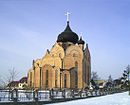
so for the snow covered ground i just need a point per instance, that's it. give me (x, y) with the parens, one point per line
(113, 99)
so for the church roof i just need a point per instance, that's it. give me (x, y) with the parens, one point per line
(68, 35)
(22, 80)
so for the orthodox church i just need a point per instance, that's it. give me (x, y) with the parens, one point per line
(67, 65)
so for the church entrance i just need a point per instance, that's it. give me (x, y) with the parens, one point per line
(73, 78)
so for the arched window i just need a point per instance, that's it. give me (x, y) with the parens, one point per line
(65, 80)
(88, 79)
(56, 78)
(74, 55)
(47, 78)
(76, 64)
(85, 73)
(76, 79)
(76, 75)
(60, 55)
(31, 79)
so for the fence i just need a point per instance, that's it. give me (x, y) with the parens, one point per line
(50, 96)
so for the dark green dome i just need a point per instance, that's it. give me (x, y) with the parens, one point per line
(81, 41)
(68, 35)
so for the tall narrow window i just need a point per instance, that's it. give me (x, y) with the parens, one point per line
(85, 73)
(62, 64)
(65, 80)
(56, 78)
(76, 80)
(30, 79)
(76, 64)
(60, 55)
(47, 77)
(76, 74)
(74, 55)
(88, 75)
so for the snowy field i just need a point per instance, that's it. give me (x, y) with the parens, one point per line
(115, 99)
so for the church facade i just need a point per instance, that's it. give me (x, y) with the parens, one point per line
(66, 65)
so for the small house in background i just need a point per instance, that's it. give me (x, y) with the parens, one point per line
(13, 84)
(101, 83)
(21, 84)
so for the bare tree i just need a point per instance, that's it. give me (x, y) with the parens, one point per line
(2, 83)
(94, 76)
(12, 75)
(110, 79)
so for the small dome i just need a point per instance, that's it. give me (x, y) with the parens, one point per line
(81, 41)
(68, 35)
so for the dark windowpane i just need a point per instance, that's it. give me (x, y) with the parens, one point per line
(56, 77)
(47, 78)
(65, 77)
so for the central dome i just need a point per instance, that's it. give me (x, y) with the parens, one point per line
(68, 35)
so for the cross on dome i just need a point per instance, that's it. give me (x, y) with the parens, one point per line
(67, 16)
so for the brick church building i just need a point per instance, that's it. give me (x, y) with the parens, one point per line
(66, 65)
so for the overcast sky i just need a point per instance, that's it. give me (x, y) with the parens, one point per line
(29, 27)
